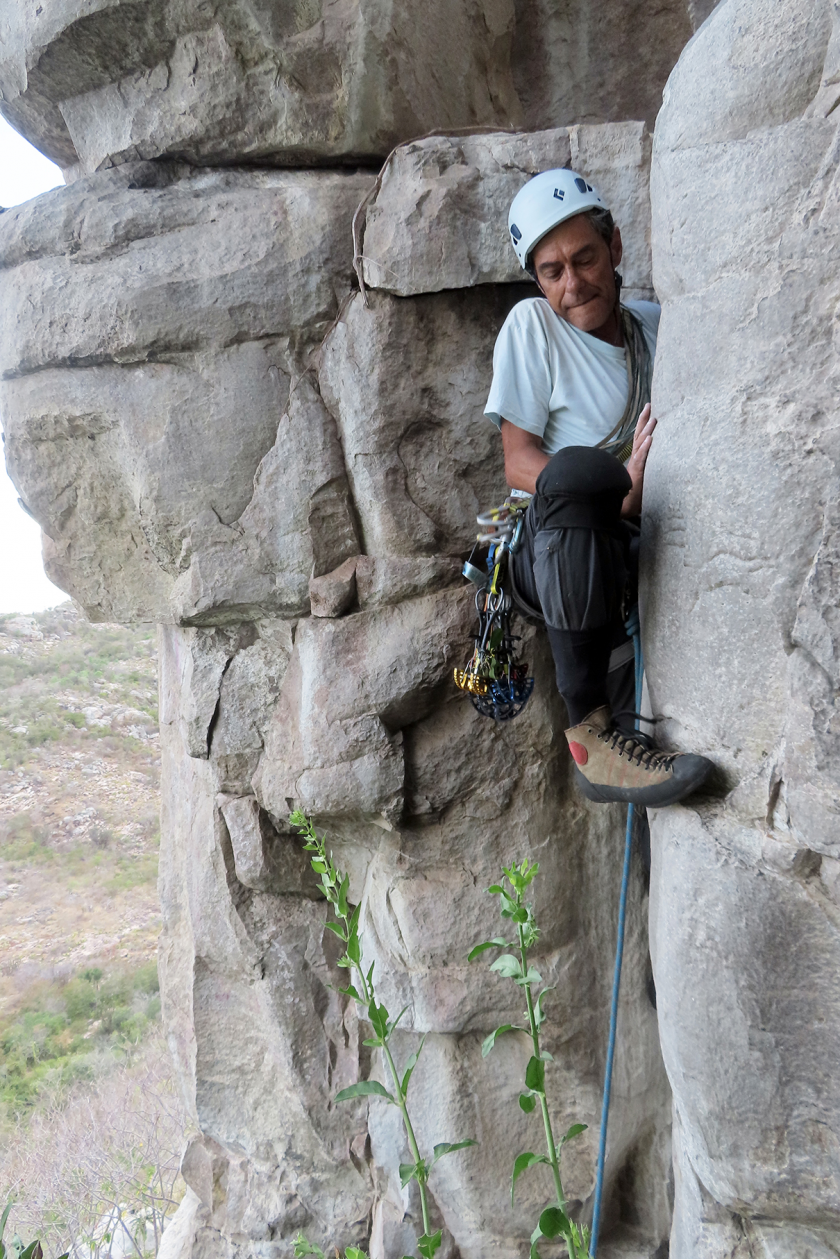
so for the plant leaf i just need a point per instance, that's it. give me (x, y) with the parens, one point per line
(337, 929)
(488, 944)
(527, 1102)
(408, 1171)
(507, 965)
(392, 1025)
(546, 1056)
(3, 1219)
(304, 1247)
(429, 1244)
(489, 1041)
(411, 1064)
(533, 976)
(32, 1251)
(378, 1017)
(521, 1164)
(535, 1075)
(353, 1252)
(539, 1012)
(365, 1088)
(496, 890)
(575, 1131)
(354, 948)
(553, 1222)
(350, 991)
(343, 907)
(448, 1147)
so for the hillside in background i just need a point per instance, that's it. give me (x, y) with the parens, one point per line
(80, 1043)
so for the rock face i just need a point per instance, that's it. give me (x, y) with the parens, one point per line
(219, 433)
(242, 417)
(95, 83)
(463, 182)
(741, 627)
(182, 309)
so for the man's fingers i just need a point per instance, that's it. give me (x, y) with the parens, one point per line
(644, 427)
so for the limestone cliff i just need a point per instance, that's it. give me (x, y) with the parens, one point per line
(243, 371)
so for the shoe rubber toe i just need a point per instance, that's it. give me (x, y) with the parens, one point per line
(690, 772)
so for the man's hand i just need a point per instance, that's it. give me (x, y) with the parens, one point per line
(524, 457)
(642, 438)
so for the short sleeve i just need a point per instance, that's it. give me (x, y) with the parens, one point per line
(521, 388)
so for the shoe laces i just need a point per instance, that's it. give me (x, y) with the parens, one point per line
(638, 749)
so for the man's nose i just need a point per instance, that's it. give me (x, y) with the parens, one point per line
(574, 280)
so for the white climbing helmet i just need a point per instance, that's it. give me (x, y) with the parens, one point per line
(545, 201)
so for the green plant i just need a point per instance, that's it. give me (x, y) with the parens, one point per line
(553, 1221)
(16, 1249)
(303, 1247)
(335, 886)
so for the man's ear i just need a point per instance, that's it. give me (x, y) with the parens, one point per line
(616, 247)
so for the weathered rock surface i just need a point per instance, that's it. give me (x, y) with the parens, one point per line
(438, 219)
(246, 959)
(167, 374)
(98, 83)
(105, 82)
(406, 382)
(741, 626)
(219, 433)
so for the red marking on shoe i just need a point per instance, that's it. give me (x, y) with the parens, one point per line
(579, 752)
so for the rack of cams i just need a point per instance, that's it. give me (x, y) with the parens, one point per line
(497, 683)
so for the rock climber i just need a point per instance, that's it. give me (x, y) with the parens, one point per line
(571, 395)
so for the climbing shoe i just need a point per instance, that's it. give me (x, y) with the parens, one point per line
(612, 765)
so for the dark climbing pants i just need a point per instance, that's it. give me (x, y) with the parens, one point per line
(573, 568)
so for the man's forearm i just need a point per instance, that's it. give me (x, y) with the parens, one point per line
(524, 458)
(524, 468)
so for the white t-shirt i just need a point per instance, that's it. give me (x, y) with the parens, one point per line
(564, 385)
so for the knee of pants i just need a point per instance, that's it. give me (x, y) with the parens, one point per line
(584, 471)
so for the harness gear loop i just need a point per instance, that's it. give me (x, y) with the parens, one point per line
(498, 684)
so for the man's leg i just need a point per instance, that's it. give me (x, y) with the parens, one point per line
(578, 551)
(574, 567)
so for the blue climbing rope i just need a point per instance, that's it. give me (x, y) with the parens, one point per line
(633, 628)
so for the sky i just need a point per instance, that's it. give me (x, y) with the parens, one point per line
(24, 587)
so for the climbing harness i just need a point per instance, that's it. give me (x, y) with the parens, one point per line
(633, 629)
(496, 682)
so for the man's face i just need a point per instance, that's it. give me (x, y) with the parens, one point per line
(575, 268)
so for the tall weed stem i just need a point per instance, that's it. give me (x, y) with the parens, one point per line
(553, 1221)
(335, 886)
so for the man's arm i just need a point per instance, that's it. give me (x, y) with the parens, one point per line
(524, 457)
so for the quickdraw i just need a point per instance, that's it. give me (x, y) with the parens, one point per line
(497, 683)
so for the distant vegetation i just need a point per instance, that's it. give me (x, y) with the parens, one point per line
(72, 661)
(63, 1032)
(90, 1121)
